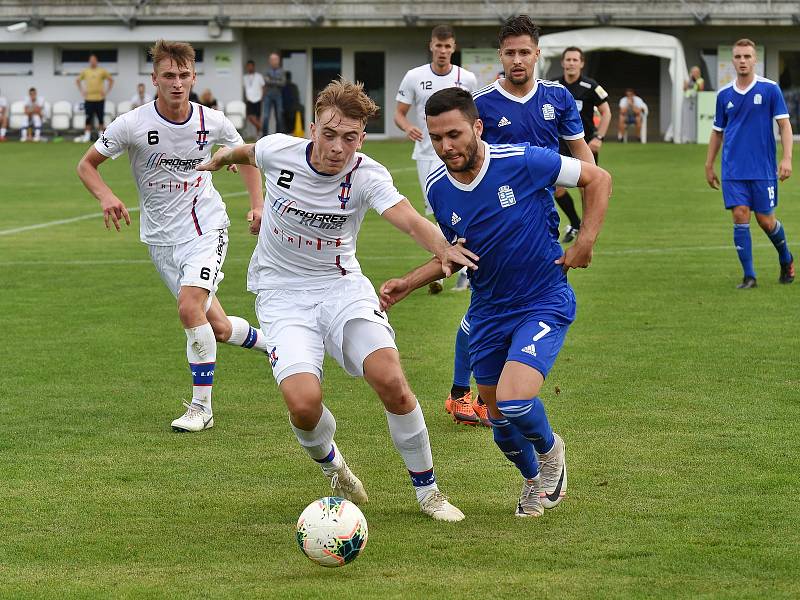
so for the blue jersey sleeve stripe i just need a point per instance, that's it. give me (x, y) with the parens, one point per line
(577, 136)
(431, 182)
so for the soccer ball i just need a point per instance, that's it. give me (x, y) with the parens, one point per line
(332, 531)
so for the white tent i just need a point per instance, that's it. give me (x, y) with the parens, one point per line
(630, 40)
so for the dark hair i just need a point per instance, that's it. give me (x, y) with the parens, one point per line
(251, 62)
(33, 89)
(519, 25)
(443, 32)
(572, 49)
(452, 98)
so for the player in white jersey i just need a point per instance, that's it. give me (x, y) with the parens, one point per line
(34, 116)
(312, 297)
(417, 86)
(183, 218)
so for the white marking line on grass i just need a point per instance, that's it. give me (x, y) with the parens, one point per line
(75, 219)
(377, 258)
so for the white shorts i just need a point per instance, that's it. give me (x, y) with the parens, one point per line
(196, 263)
(301, 325)
(424, 168)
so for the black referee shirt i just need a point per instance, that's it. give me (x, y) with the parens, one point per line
(588, 94)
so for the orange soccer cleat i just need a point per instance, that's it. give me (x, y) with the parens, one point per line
(462, 410)
(480, 409)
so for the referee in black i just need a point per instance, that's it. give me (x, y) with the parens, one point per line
(588, 94)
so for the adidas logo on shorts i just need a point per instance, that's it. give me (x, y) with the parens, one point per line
(531, 349)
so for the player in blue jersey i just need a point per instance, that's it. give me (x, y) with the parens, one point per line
(517, 108)
(746, 108)
(496, 200)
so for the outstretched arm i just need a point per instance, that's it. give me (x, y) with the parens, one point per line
(113, 208)
(394, 290)
(240, 155)
(403, 216)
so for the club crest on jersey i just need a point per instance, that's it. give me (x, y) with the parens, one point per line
(506, 196)
(548, 112)
(344, 193)
(202, 138)
(757, 99)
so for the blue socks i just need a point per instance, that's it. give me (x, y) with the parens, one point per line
(778, 238)
(529, 418)
(516, 448)
(744, 247)
(461, 372)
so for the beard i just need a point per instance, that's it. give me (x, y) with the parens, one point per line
(519, 79)
(471, 156)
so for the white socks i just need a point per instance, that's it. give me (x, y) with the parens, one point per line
(318, 443)
(201, 351)
(410, 437)
(242, 334)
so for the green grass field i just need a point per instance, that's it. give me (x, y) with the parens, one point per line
(676, 393)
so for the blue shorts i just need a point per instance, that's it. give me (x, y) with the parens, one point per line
(760, 195)
(531, 335)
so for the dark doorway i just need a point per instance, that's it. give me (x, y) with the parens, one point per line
(616, 70)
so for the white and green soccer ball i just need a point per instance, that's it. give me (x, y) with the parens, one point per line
(332, 531)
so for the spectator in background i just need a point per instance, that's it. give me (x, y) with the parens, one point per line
(291, 103)
(273, 93)
(207, 99)
(695, 83)
(253, 94)
(34, 115)
(94, 95)
(691, 86)
(3, 118)
(141, 97)
(631, 109)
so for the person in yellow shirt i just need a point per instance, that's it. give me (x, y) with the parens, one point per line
(91, 83)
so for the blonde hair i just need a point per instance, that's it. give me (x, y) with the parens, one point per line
(347, 98)
(745, 42)
(181, 53)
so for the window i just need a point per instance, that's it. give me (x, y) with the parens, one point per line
(71, 61)
(370, 69)
(16, 62)
(146, 61)
(326, 65)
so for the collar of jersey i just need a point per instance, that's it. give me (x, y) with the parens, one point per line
(310, 166)
(430, 66)
(511, 96)
(468, 187)
(163, 118)
(747, 89)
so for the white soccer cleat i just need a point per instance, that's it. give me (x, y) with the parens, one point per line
(553, 471)
(346, 485)
(530, 502)
(436, 506)
(194, 419)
